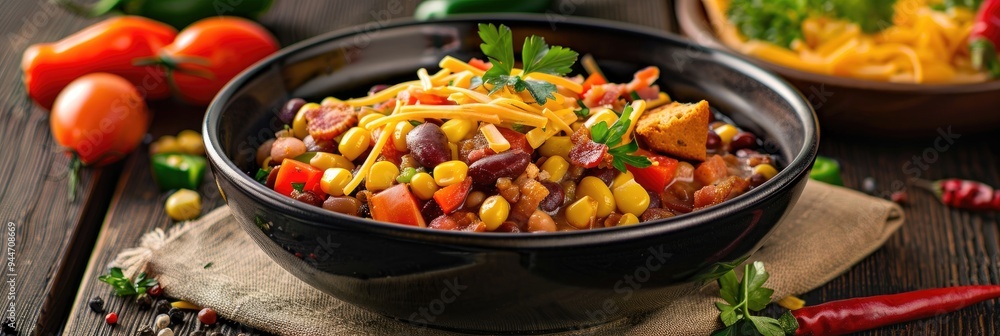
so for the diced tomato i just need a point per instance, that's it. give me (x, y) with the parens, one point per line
(593, 79)
(656, 177)
(396, 205)
(391, 154)
(292, 171)
(478, 63)
(452, 197)
(711, 170)
(426, 99)
(516, 140)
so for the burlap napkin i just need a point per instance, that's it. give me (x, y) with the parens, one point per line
(828, 231)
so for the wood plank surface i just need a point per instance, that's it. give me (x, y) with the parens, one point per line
(936, 247)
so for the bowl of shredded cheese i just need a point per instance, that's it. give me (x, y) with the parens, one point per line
(888, 69)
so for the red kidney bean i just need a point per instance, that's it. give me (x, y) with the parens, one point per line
(443, 223)
(655, 213)
(508, 164)
(605, 174)
(654, 199)
(344, 204)
(508, 227)
(714, 141)
(286, 148)
(308, 197)
(272, 176)
(756, 180)
(288, 111)
(429, 145)
(431, 210)
(554, 200)
(319, 146)
(743, 140)
(376, 88)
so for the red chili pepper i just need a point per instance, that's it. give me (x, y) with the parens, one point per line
(963, 194)
(859, 314)
(985, 37)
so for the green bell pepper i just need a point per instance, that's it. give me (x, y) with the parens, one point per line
(177, 13)
(436, 9)
(178, 171)
(826, 170)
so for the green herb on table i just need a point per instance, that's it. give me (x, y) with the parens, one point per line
(742, 299)
(537, 56)
(124, 286)
(208, 265)
(611, 136)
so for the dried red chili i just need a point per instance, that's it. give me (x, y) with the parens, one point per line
(963, 194)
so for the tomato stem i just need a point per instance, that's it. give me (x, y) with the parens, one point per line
(100, 8)
(74, 175)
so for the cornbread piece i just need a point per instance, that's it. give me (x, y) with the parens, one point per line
(676, 129)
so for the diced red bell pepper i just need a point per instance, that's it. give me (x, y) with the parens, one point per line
(452, 197)
(593, 79)
(391, 154)
(516, 139)
(427, 99)
(292, 171)
(657, 176)
(480, 64)
(711, 170)
(396, 205)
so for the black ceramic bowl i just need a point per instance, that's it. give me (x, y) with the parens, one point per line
(486, 282)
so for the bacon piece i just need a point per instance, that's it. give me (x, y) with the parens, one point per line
(327, 122)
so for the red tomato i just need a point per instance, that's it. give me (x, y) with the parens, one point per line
(292, 171)
(210, 52)
(396, 205)
(101, 117)
(593, 79)
(452, 197)
(656, 177)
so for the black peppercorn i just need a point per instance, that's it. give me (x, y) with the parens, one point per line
(176, 315)
(216, 333)
(96, 304)
(162, 306)
(9, 326)
(197, 333)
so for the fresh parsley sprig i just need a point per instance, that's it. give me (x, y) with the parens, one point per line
(612, 136)
(537, 56)
(742, 298)
(124, 286)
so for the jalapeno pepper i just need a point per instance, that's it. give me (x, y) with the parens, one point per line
(177, 13)
(985, 37)
(178, 171)
(826, 170)
(436, 9)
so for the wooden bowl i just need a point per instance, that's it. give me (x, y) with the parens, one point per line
(871, 108)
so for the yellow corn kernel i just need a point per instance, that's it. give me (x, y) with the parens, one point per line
(423, 185)
(621, 178)
(369, 118)
(631, 198)
(765, 169)
(166, 144)
(324, 161)
(299, 122)
(381, 176)
(628, 219)
(493, 137)
(183, 205)
(457, 129)
(190, 142)
(399, 135)
(454, 150)
(355, 142)
(494, 211)
(451, 172)
(581, 214)
(596, 189)
(605, 115)
(556, 166)
(556, 146)
(726, 132)
(334, 180)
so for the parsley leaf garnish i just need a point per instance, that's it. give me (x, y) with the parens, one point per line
(123, 286)
(537, 56)
(744, 297)
(262, 175)
(298, 186)
(612, 135)
(584, 111)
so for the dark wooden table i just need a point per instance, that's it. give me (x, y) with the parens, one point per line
(61, 246)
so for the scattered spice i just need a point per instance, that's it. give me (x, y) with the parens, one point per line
(162, 306)
(197, 333)
(963, 194)
(156, 290)
(162, 321)
(184, 305)
(145, 331)
(208, 265)
(900, 197)
(96, 304)
(176, 315)
(165, 332)
(111, 318)
(144, 301)
(869, 186)
(8, 326)
(791, 303)
(207, 316)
